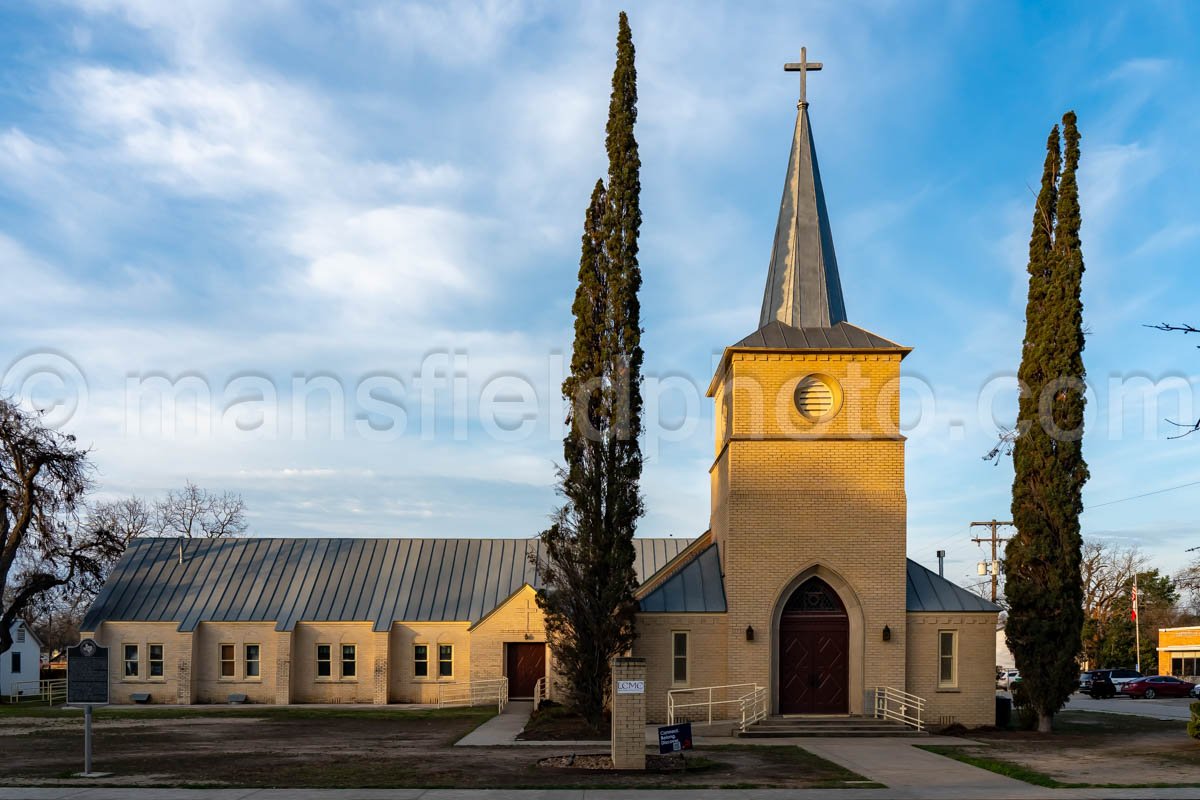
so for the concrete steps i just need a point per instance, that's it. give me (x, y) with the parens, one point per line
(839, 726)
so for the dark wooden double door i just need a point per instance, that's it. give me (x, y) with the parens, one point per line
(814, 652)
(525, 663)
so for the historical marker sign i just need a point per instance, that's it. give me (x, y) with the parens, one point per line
(87, 674)
(674, 738)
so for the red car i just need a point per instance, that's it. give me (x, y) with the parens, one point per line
(1157, 686)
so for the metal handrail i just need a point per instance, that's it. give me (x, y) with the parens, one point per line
(474, 693)
(754, 707)
(899, 706)
(744, 690)
(47, 689)
(541, 692)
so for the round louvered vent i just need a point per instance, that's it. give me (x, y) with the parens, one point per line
(818, 397)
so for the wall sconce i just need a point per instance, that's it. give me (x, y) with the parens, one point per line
(749, 633)
(887, 633)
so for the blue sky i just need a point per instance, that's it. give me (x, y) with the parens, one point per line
(231, 195)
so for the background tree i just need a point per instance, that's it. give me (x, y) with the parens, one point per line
(588, 567)
(1106, 572)
(1042, 560)
(1157, 597)
(44, 477)
(1186, 428)
(190, 512)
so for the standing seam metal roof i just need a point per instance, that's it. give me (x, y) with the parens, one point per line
(289, 580)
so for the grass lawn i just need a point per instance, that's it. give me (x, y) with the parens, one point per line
(1087, 749)
(17, 711)
(301, 747)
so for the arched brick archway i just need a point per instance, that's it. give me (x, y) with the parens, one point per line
(814, 651)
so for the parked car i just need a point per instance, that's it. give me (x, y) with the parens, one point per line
(1004, 679)
(1117, 676)
(1120, 677)
(1157, 686)
(1101, 686)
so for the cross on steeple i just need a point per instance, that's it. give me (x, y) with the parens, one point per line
(804, 67)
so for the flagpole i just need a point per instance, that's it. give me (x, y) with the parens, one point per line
(1137, 625)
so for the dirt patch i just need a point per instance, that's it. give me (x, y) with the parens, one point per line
(1094, 748)
(555, 723)
(605, 762)
(347, 749)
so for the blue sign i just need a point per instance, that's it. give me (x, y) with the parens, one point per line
(674, 738)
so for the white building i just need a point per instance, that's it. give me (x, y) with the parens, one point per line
(21, 664)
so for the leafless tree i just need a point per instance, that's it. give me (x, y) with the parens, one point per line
(1106, 569)
(193, 513)
(129, 517)
(1185, 427)
(44, 544)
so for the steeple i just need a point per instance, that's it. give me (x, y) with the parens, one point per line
(803, 288)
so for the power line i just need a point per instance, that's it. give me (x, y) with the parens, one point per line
(1139, 496)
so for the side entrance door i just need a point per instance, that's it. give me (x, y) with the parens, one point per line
(525, 663)
(814, 645)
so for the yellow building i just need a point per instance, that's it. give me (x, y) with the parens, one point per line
(800, 589)
(1179, 652)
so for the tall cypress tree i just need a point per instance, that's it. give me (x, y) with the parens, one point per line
(1042, 562)
(588, 561)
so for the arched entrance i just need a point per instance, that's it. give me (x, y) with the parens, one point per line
(814, 651)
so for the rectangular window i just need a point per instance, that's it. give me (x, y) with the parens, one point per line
(679, 656)
(154, 658)
(947, 659)
(16, 662)
(349, 666)
(421, 660)
(131, 660)
(324, 661)
(445, 661)
(228, 661)
(252, 661)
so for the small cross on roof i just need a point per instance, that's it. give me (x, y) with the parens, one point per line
(803, 67)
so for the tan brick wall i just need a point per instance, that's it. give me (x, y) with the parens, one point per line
(628, 716)
(1178, 637)
(792, 497)
(516, 620)
(210, 687)
(707, 663)
(175, 686)
(972, 701)
(308, 688)
(405, 687)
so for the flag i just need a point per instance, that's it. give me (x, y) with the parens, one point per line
(1133, 597)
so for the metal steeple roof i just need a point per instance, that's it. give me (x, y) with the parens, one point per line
(803, 288)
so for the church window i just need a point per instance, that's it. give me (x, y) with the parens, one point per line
(947, 659)
(445, 661)
(679, 656)
(228, 661)
(324, 661)
(16, 662)
(818, 397)
(154, 659)
(132, 662)
(349, 661)
(253, 661)
(421, 660)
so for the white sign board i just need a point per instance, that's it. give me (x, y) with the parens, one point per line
(631, 687)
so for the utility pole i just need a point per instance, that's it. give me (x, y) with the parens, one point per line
(995, 539)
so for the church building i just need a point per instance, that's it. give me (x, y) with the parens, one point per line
(800, 588)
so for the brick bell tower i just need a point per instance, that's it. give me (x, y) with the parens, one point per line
(808, 502)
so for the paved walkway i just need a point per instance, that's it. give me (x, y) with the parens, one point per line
(932, 793)
(501, 729)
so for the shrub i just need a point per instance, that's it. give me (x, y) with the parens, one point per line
(1194, 723)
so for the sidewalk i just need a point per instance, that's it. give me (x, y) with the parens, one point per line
(932, 793)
